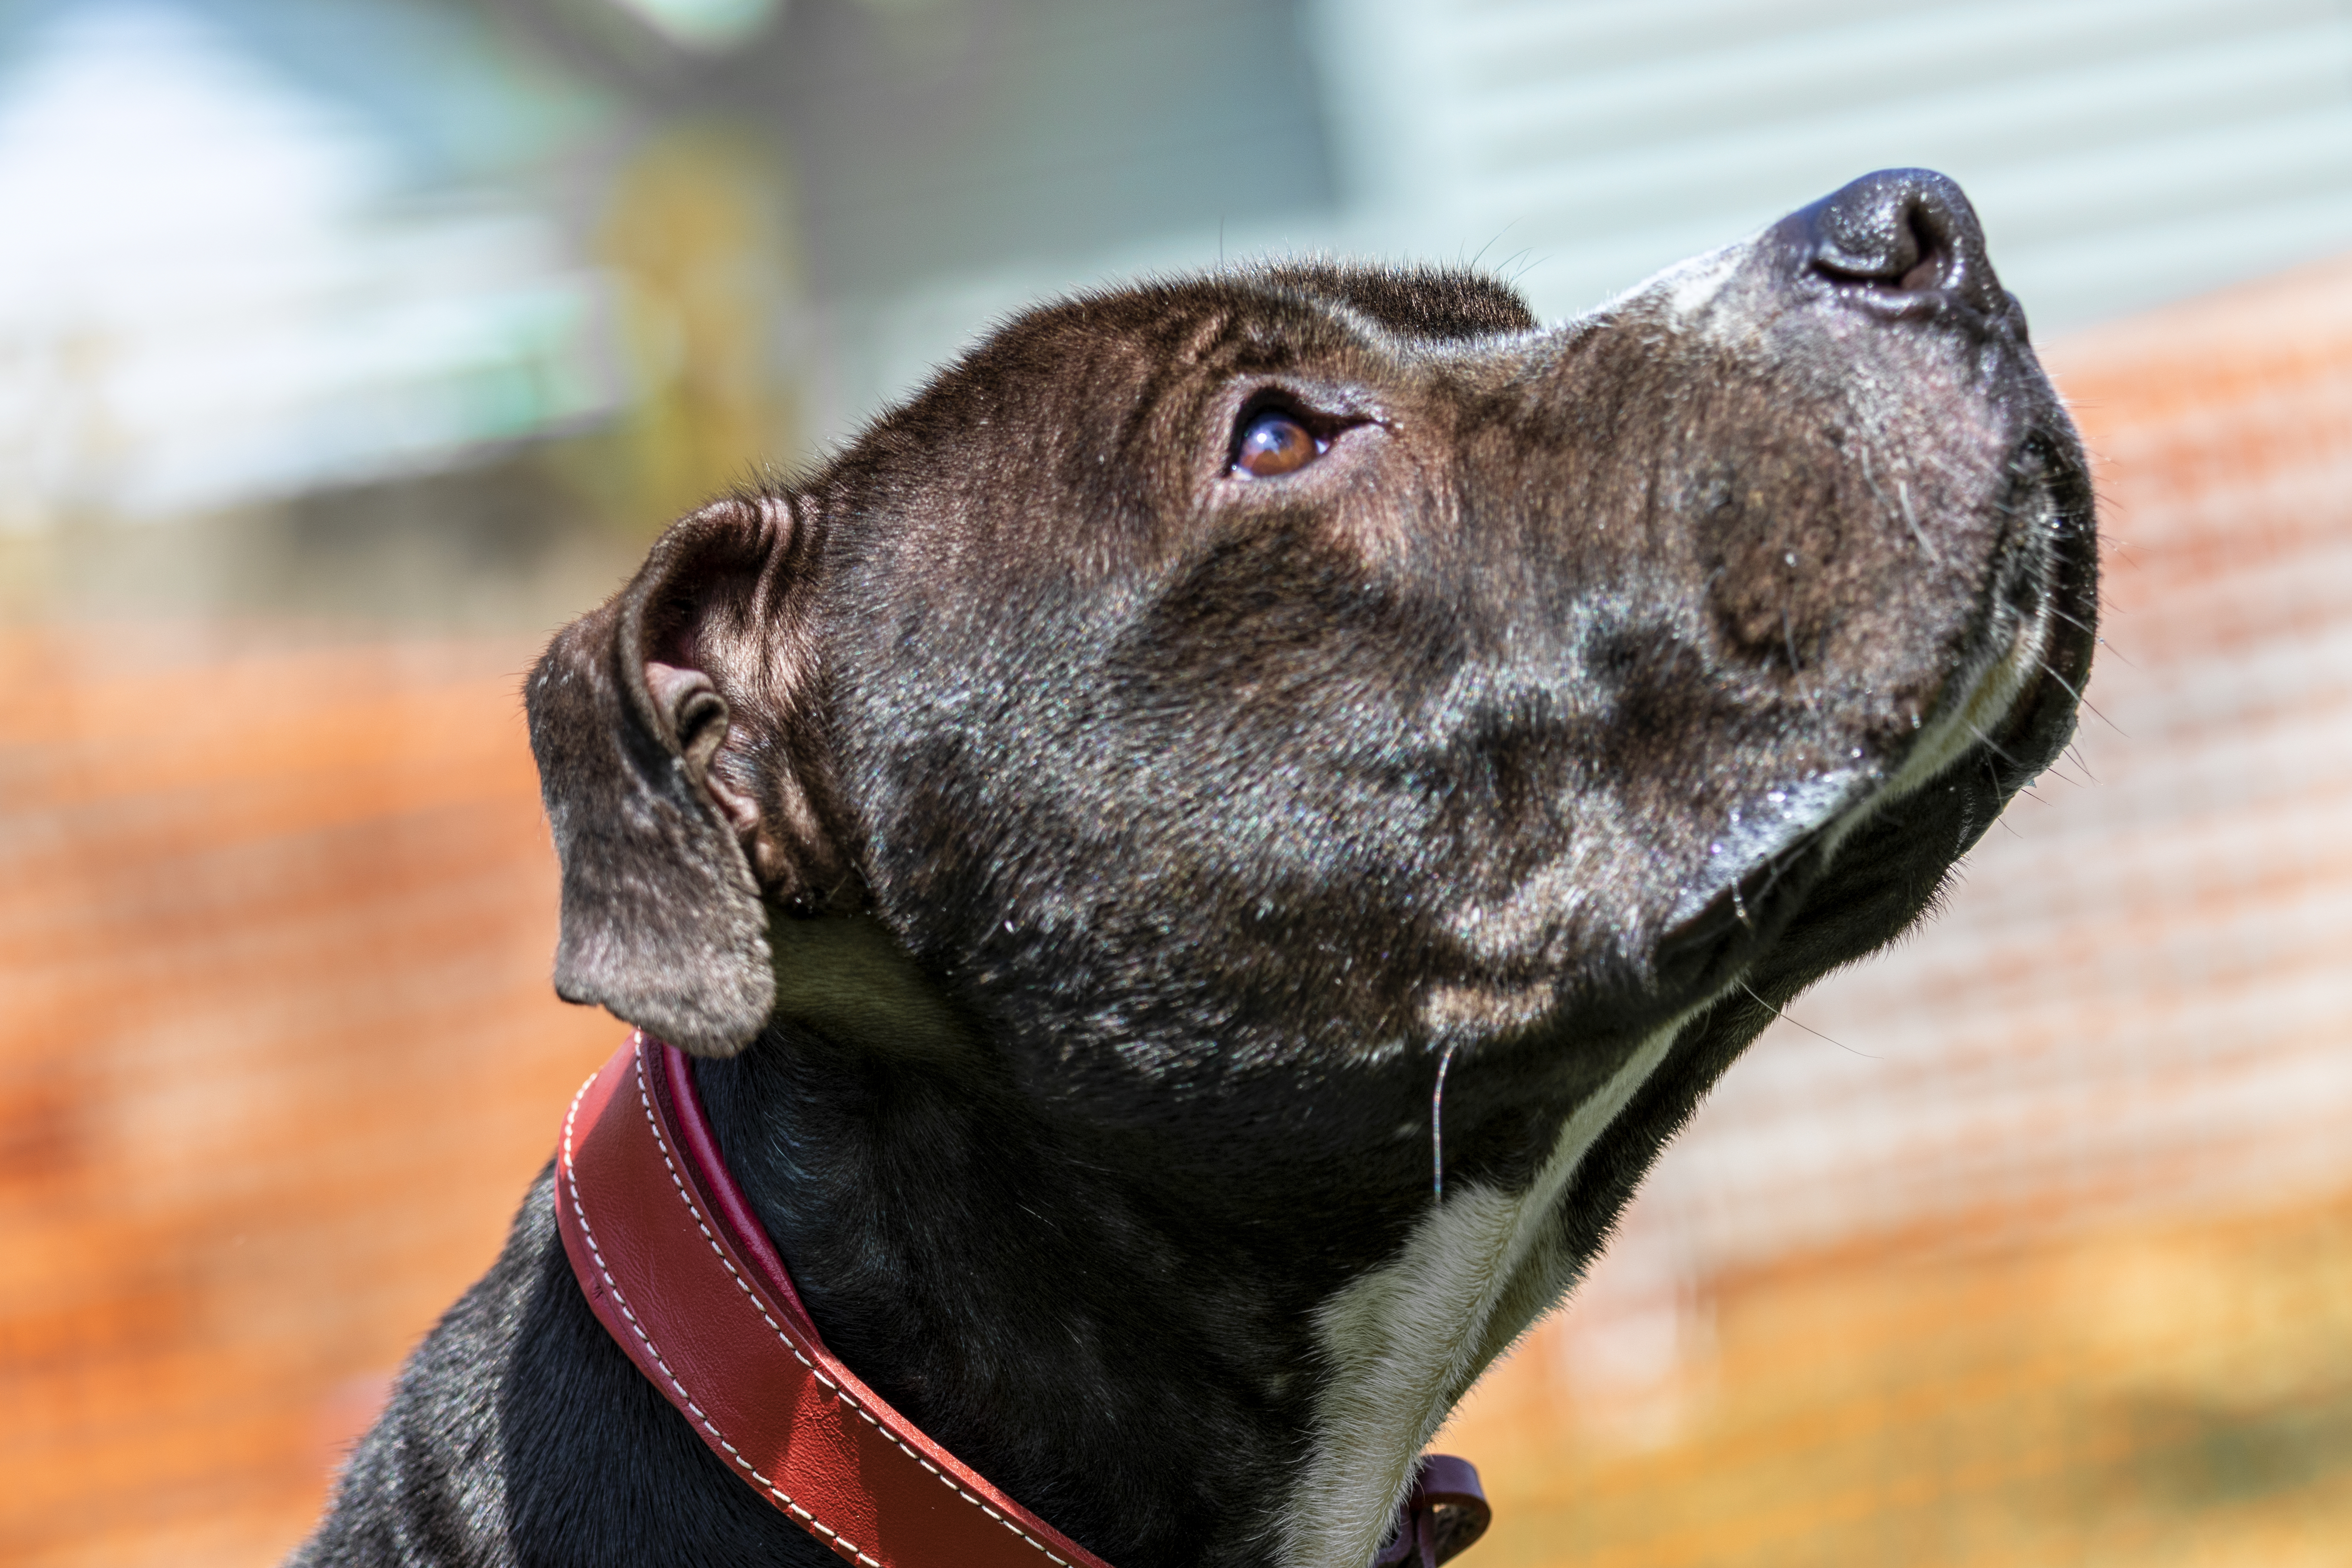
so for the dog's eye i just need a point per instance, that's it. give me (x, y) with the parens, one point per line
(1273, 443)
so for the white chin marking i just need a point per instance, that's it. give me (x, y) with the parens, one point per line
(1406, 1341)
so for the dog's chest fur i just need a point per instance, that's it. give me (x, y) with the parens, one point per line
(1405, 1342)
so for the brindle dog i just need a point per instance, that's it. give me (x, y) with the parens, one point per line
(1078, 826)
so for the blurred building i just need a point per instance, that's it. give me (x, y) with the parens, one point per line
(261, 248)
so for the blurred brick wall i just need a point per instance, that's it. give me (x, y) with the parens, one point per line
(280, 1055)
(2059, 1270)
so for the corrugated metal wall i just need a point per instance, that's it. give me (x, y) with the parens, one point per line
(2122, 155)
(2123, 152)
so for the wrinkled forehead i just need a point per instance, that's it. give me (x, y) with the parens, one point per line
(1089, 420)
(1420, 304)
(1322, 317)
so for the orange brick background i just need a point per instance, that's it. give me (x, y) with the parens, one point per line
(2048, 1259)
(280, 1057)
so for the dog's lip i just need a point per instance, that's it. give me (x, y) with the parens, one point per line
(1762, 845)
(1807, 822)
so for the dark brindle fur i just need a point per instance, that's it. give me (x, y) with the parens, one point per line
(1131, 838)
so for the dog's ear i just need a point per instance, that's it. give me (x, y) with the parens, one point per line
(681, 761)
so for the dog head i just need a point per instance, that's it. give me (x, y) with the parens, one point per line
(1211, 704)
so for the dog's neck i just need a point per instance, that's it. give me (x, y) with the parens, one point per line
(1119, 1367)
(1164, 1382)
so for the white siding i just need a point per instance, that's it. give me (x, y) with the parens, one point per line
(2121, 153)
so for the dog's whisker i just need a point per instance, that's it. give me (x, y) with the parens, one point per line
(2075, 621)
(1437, 1124)
(2064, 777)
(1782, 1014)
(2075, 692)
(1900, 505)
(1777, 864)
(1989, 744)
(2082, 626)
(2070, 756)
(1871, 479)
(1903, 495)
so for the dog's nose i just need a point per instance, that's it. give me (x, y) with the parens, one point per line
(1904, 239)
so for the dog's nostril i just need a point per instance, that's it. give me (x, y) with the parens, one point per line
(1896, 244)
(1906, 232)
(1929, 271)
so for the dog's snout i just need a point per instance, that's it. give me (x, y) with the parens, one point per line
(1900, 237)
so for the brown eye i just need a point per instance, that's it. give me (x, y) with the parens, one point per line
(1273, 443)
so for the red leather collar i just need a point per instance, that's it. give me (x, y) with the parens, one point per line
(680, 1272)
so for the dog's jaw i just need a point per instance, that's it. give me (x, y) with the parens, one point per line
(1986, 692)
(1405, 1342)
(1980, 697)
